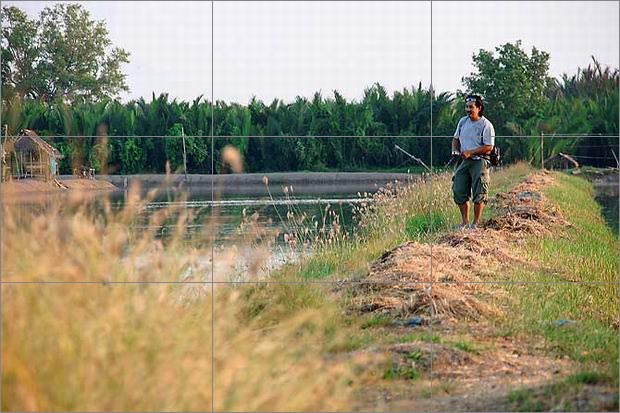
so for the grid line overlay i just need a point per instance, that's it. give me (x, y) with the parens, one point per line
(430, 217)
(618, 269)
(212, 217)
(338, 283)
(213, 283)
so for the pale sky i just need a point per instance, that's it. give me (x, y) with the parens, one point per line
(284, 49)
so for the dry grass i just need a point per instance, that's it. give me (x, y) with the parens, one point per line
(148, 347)
(399, 281)
(523, 210)
(395, 284)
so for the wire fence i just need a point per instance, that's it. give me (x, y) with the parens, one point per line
(546, 136)
(593, 149)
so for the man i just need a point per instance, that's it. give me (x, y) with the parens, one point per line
(473, 139)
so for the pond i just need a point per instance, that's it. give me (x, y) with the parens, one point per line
(225, 217)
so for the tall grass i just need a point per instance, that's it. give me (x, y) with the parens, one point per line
(144, 346)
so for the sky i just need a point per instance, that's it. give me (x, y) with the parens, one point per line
(286, 49)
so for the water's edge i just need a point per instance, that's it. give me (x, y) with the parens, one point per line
(253, 179)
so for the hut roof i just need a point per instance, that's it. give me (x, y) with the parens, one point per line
(30, 135)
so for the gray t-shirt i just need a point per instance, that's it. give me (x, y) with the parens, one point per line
(473, 135)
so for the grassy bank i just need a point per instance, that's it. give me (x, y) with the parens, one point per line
(576, 320)
(584, 253)
(573, 320)
(396, 215)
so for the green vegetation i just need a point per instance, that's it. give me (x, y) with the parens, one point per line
(317, 270)
(415, 355)
(512, 68)
(401, 372)
(575, 319)
(524, 401)
(376, 320)
(588, 377)
(557, 396)
(420, 224)
(466, 346)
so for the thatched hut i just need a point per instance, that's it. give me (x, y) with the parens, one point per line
(561, 161)
(29, 156)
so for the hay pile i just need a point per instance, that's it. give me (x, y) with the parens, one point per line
(399, 282)
(524, 210)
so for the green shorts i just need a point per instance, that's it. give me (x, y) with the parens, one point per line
(471, 181)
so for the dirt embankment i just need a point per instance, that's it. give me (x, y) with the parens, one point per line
(257, 179)
(462, 261)
(33, 186)
(464, 298)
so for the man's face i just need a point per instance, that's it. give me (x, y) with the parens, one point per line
(471, 109)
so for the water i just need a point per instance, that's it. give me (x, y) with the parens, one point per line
(245, 226)
(254, 225)
(278, 210)
(607, 195)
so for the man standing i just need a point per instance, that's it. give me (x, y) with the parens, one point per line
(474, 138)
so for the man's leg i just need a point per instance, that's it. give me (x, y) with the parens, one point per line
(478, 208)
(480, 188)
(461, 189)
(464, 213)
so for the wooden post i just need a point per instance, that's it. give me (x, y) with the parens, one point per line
(616, 158)
(542, 150)
(2, 158)
(184, 153)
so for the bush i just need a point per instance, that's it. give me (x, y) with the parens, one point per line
(421, 224)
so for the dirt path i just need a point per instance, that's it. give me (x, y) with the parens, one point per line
(471, 380)
(474, 366)
(28, 186)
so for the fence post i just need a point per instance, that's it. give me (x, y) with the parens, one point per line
(2, 137)
(542, 151)
(184, 153)
(616, 158)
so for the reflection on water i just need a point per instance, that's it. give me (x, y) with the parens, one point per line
(256, 202)
(275, 210)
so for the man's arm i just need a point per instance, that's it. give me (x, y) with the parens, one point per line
(456, 145)
(483, 150)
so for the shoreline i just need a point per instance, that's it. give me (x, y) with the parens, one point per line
(29, 187)
(254, 179)
(34, 185)
(251, 184)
